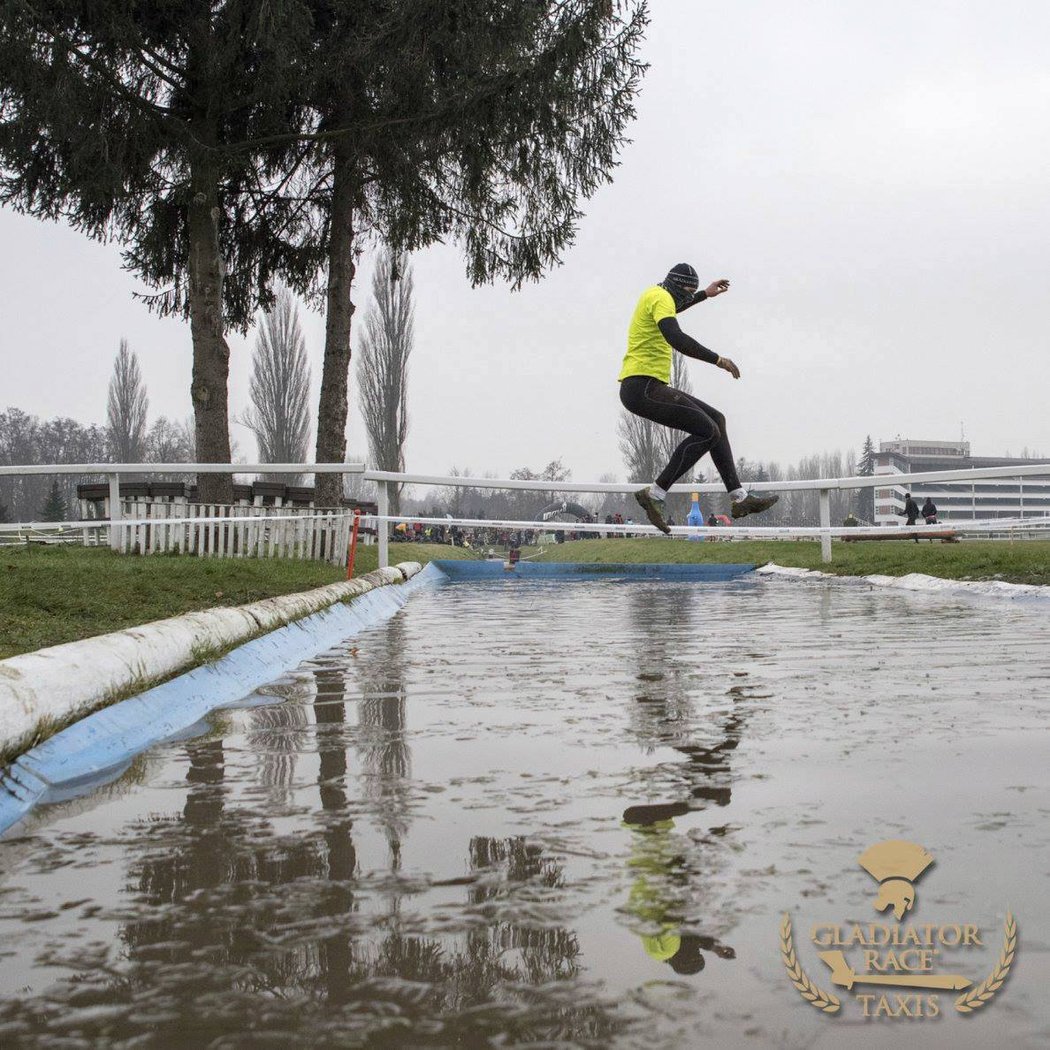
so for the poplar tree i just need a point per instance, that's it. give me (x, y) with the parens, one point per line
(279, 415)
(382, 366)
(126, 408)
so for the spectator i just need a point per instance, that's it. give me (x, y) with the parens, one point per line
(929, 511)
(911, 511)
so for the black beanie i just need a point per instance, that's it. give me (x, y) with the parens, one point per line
(682, 279)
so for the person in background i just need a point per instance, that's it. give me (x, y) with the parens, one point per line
(911, 511)
(929, 511)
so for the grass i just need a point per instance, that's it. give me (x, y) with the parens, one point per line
(50, 595)
(1023, 561)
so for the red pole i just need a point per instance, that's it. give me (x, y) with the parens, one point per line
(353, 546)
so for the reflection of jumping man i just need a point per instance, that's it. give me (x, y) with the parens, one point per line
(658, 900)
(644, 391)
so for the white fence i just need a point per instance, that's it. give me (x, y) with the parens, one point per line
(119, 528)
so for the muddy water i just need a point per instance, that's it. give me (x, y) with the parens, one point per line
(572, 815)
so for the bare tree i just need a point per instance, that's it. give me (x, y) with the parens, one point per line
(382, 365)
(280, 388)
(170, 441)
(646, 446)
(601, 504)
(126, 408)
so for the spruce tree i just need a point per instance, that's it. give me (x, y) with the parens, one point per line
(228, 143)
(866, 469)
(460, 121)
(54, 508)
(149, 124)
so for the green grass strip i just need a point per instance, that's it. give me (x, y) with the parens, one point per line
(1020, 561)
(50, 594)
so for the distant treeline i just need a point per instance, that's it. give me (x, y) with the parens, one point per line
(26, 440)
(794, 508)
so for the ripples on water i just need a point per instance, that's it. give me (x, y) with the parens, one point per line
(547, 814)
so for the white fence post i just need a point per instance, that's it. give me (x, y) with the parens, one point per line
(383, 527)
(116, 533)
(825, 523)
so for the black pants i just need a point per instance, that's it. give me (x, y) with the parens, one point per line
(704, 425)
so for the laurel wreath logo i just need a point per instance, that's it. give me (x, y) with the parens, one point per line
(984, 992)
(807, 989)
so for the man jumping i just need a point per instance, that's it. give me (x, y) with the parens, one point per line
(644, 391)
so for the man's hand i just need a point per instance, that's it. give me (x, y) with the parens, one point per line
(724, 362)
(717, 287)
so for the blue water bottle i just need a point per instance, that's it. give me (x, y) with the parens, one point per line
(694, 517)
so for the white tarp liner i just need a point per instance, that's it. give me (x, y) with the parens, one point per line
(917, 581)
(51, 687)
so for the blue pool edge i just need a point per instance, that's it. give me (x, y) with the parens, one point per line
(97, 748)
(706, 572)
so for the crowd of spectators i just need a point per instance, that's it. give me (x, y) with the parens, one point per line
(472, 538)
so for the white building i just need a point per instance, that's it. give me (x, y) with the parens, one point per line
(956, 501)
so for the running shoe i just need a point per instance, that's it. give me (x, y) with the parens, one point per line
(752, 504)
(654, 509)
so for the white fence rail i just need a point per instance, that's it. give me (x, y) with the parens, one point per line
(384, 479)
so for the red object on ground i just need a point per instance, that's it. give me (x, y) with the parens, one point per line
(353, 547)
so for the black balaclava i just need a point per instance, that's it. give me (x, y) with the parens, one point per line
(682, 282)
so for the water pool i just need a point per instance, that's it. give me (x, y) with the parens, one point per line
(545, 814)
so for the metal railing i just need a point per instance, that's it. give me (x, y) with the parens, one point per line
(384, 479)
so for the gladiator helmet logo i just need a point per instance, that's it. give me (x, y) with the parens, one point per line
(895, 865)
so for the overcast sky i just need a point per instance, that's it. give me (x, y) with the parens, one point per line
(872, 178)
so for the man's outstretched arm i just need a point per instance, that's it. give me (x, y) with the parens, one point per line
(686, 344)
(713, 289)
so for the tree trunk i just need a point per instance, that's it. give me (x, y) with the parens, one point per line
(211, 355)
(332, 406)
